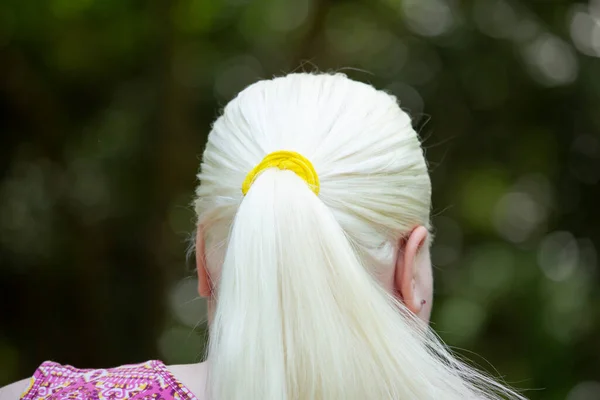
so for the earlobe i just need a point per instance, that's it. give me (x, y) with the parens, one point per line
(204, 287)
(407, 280)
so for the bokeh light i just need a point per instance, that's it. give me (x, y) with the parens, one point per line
(106, 105)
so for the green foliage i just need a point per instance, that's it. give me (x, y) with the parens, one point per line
(105, 106)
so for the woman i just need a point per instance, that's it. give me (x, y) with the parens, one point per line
(312, 249)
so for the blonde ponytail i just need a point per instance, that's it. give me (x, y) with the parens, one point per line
(300, 313)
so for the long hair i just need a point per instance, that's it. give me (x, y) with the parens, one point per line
(300, 312)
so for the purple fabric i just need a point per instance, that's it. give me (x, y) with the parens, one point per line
(149, 380)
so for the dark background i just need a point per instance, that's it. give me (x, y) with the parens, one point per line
(105, 107)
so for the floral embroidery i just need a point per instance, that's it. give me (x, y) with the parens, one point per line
(149, 380)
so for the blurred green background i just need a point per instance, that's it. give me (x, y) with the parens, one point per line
(105, 107)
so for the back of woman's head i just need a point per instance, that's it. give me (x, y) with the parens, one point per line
(295, 244)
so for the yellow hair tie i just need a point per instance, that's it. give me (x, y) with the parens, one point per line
(284, 159)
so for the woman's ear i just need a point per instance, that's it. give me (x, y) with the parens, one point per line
(413, 276)
(204, 287)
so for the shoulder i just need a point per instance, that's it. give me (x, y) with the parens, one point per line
(55, 381)
(15, 390)
(192, 377)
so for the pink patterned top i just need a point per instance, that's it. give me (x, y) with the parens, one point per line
(149, 380)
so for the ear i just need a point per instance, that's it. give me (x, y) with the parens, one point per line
(413, 278)
(204, 287)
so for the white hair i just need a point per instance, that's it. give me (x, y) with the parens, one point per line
(300, 313)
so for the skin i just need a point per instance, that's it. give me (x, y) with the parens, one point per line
(411, 280)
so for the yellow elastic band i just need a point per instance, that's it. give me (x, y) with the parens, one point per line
(284, 159)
